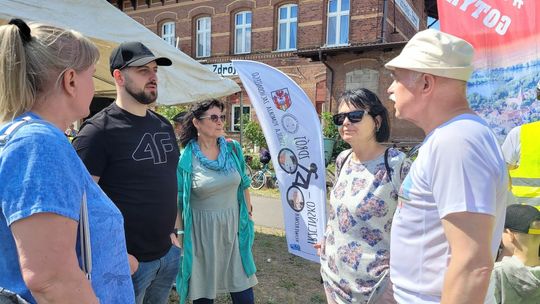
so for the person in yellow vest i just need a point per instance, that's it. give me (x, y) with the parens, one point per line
(521, 150)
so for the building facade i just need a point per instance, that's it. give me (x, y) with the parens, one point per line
(326, 46)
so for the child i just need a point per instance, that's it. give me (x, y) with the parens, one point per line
(517, 277)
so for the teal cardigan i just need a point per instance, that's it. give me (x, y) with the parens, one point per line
(246, 232)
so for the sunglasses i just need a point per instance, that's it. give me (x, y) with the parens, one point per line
(354, 117)
(214, 117)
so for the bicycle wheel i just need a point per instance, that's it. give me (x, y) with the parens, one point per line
(249, 171)
(258, 180)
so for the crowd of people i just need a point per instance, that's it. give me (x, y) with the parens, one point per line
(425, 233)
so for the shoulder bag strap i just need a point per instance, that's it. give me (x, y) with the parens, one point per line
(84, 234)
(389, 170)
(342, 163)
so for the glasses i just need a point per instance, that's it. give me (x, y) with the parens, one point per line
(214, 117)
(354, 117)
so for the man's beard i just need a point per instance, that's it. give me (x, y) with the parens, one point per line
(141, 96)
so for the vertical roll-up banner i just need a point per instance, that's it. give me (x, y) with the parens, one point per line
(293, 133)
(505, 35)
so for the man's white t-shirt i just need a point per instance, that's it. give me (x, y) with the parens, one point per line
(511, 146)
(459, 168)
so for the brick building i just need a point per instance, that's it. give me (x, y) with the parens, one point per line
(326, 46)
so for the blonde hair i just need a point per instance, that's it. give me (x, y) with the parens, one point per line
(34, 67)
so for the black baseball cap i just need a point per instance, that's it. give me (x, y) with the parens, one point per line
(520, 217)
(134, 54)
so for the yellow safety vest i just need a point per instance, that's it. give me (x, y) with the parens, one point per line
(526, 177)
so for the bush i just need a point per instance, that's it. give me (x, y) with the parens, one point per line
(254, 133)
(330, 130)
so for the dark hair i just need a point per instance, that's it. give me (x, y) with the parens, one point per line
(367, 100)
(179, 117)
(188, 130)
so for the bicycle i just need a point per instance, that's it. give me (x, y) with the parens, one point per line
(259, 178)
(248, 159)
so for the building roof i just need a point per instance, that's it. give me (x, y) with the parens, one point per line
(316, 54)
(431, 8)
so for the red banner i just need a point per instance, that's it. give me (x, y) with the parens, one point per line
(505, 35)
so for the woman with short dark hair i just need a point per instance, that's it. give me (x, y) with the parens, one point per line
(215, 209)
(355, 250)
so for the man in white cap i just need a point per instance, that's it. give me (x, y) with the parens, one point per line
(450, 215)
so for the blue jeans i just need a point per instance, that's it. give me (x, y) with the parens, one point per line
(242, 297)
(153, 280)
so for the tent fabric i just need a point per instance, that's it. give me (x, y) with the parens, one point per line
(184, 82)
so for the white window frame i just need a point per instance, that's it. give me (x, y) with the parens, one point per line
(169, 37)
(203, 27)
(243, 27)
(288, 21)
(236, 127)
(337, 14)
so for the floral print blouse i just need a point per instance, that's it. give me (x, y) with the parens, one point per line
(355, 253)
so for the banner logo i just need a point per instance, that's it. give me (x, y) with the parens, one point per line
(282, 99)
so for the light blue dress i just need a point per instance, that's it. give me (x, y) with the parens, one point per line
(217, 264)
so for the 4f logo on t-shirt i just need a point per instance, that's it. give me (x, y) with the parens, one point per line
(154, 146)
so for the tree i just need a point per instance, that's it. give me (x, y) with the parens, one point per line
(169, 111)
(254, 133)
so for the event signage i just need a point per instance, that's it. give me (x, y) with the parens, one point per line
(222, 69)
(409, 12)
(505, 36)
(292, 130)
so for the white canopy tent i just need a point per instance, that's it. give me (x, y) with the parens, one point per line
(183, 82)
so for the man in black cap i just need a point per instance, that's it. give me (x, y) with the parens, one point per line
(131, 152)
(517, 277)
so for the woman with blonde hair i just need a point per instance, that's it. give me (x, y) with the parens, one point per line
(46, 84)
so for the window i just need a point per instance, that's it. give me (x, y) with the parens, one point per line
(242, 32)
(168, 33)
(203, 37)
(287, 27)
(235, 126)
(337, 32)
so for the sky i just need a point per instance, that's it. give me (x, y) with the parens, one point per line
(434, 26)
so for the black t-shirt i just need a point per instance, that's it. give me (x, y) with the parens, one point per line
(135, 158)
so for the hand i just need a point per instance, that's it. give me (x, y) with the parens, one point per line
(320, 247)
(133, 264)
(174, 240)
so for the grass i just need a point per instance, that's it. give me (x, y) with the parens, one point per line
(265, 191)
(283, 277)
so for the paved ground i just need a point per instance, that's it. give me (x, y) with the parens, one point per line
(267, 212)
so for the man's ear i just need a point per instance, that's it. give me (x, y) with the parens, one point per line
(118, 77)
(69, 82)
(428, 83)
